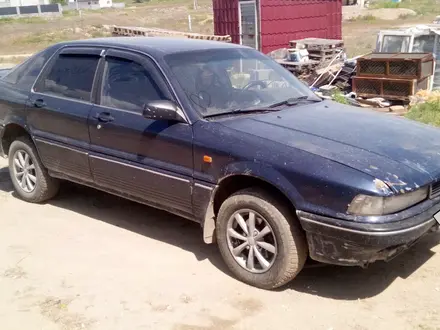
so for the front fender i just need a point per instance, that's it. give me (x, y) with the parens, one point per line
(256, 170)
(265, 173)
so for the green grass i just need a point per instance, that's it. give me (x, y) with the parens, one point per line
(6, 20)
(386, 4)
(42, 38)
(428, 113)
(421, 7)
(338, 97)
(365, 18)
(22, 20)
(70, 13)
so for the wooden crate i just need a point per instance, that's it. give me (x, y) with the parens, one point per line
(396, 65)
(388, 88)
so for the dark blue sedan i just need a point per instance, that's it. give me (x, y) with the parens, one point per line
(222, 135)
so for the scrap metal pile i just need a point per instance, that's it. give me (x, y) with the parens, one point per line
(373, 80)
(312, 58)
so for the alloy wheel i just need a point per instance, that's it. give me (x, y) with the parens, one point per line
(251, 241)
(24, 171)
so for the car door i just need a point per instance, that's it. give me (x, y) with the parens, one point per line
(149, 160)
(60, 102)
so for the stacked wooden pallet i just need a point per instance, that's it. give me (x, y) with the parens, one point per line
(152, 32)
(322, 50)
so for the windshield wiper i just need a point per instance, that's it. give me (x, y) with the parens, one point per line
(293, 101)
(239, 111)
(272, 107)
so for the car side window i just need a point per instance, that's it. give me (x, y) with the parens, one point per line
(25, 74)
(70, 76)
(127, 85)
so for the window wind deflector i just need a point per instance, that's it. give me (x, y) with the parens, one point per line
(81, 51)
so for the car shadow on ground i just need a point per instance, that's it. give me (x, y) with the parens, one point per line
(342, 283)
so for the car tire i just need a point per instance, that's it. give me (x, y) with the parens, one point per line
(284, 248)
(29, 177)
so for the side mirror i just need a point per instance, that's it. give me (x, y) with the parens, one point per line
(163, 110)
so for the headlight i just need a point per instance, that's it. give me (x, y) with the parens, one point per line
(374, 205)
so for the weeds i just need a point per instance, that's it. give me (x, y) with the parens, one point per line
(386, 4)
(6, 20)
(338, 97)
(42, 38)
(367, 18)
(428, 112)
(27, 20)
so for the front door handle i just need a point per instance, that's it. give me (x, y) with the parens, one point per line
(39, 103)
(104, 117)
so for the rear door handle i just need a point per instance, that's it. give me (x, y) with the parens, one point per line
(104, 117)
(39, 103)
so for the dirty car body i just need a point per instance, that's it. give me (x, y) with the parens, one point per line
(362, 186)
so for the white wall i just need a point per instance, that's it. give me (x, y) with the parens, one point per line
(93, 3)
(105, 3)
(14, 3)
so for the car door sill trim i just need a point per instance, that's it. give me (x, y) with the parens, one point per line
(60, 146)
(140, 168)
(203, 186)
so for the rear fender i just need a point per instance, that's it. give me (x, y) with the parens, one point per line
(11, 120)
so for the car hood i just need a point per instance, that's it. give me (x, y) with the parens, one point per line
(4, 72)
(403, 153)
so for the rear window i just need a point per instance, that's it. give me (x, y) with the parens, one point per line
(70, 76)
(25, 74)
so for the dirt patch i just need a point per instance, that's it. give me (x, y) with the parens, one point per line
(389, 14)
(57, 310)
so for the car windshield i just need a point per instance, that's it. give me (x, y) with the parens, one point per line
(233, 80)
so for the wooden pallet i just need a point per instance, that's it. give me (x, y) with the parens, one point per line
(150, 32)
(325, 52)
(317, 44)
(321, 58)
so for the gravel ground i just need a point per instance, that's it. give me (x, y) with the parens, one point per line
(88, 260)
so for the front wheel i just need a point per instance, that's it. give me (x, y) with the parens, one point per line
(260, 240)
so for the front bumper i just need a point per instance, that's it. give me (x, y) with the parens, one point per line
(349, 243)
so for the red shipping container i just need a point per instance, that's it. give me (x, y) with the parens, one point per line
(270, 24)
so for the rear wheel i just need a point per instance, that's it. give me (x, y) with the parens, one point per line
(29, 177)
(260, 240)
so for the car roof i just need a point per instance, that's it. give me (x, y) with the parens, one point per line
(156, 46)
